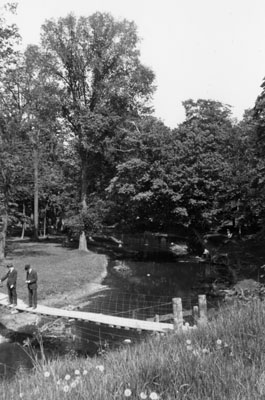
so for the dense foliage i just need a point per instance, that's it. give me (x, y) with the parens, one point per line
(79, 145)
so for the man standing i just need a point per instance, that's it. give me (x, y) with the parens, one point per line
(11, 277)
(31, 280)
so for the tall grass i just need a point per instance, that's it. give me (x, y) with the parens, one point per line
(223, 360)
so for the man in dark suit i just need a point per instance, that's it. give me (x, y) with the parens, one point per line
(31, 280)
(11, 277)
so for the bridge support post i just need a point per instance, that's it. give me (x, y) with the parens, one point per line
(195, 314)
(177, 313)
(202, 310)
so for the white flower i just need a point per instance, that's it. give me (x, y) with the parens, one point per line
(218, 342)
(85, 372)
(59, 382)
(77, 372)
(73, 384)
(46, 374)
(100, 368)
(143, 396)
(188, 341)
(205, 351)
(127, 341)
(189, 348)
(127, 392)
(67, 377)
(153, 396)
(66, 388)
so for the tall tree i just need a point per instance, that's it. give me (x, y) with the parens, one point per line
(96, 61)
(9, 38)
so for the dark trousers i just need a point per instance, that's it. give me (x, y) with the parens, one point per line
(12, 294)
(32, 297)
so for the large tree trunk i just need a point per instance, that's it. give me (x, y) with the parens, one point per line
(84, 182)
(36, 192)
(3, 230)
(84, 187)
(23, 223)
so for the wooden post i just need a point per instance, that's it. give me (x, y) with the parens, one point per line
(202, 309)
(177, 313)
(195, 314)
(156, 318)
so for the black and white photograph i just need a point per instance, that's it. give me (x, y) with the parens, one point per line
(132, 200)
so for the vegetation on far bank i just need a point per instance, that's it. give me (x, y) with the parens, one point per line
(223, 360)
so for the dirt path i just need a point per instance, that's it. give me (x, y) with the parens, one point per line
(65, 277)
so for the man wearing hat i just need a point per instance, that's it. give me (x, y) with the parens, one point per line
(11, 277)
(31, 280)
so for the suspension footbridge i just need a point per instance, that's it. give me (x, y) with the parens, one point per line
(98, 318)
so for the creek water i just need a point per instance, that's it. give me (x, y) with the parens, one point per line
(143, 287)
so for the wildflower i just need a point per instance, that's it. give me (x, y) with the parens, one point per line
(66, 388)
(153, 396)
(189, 348)
(67, 377)
(218, 342)
(188, 341)
(100, 368)
(85, 372)
(73, 384)
(127, 341)
(143, 396)
(77, 372)
(46, 374)
(205, 351)
(127, 392)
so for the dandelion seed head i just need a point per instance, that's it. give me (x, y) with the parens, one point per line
(127, 341)
(127, 392)
(85, 372)
(153, 396)
(66, 388)
(188, 341)
(100, 368)
(73, 384)
(67, 377)
(218, 342)
(46, 374)
(189, 348)
(143, 396)
(77, 372)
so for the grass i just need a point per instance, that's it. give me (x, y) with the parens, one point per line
(60, 270)
(223, 360)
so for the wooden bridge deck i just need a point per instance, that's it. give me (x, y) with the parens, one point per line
(112, 321)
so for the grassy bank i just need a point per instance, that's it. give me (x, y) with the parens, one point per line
(60, 270)
(224, 360)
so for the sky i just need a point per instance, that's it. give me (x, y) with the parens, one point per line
(198, 49)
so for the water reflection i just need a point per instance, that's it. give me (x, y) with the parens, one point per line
(13, 357)
(141, 290)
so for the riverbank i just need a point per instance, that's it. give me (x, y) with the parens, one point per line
(222, 360)
(65, 276)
